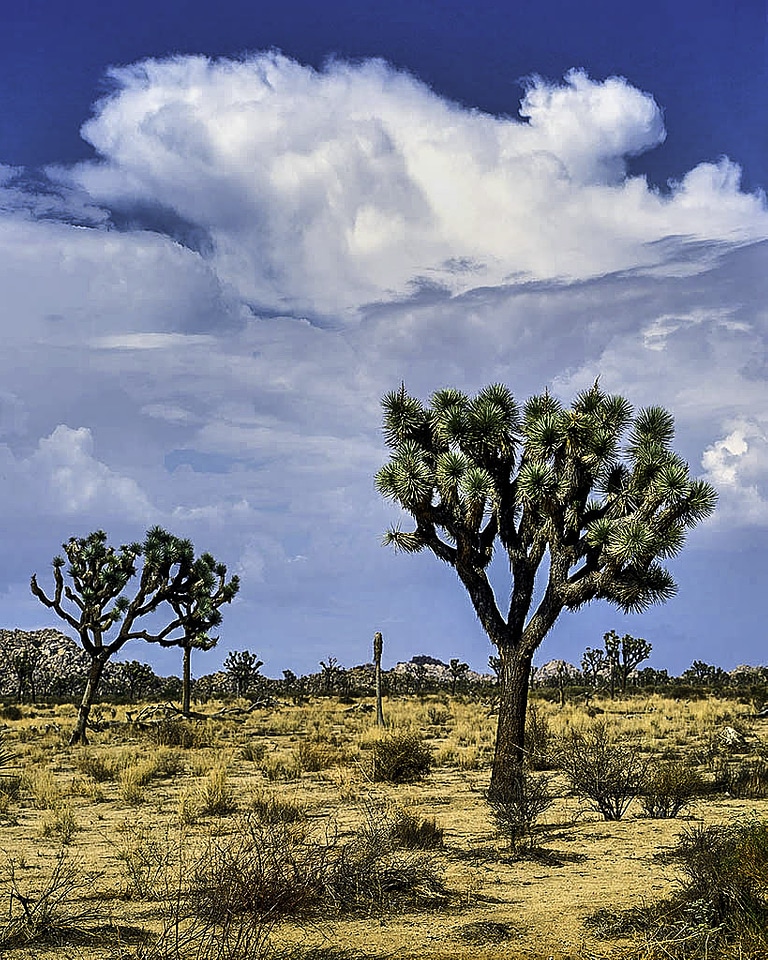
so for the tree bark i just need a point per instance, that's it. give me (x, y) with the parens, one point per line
(79, 734)
(510, 734)
(186, 681)
(378, 647)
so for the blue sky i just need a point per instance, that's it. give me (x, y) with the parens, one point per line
(224, 236)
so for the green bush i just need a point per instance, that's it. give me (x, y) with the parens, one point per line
(400, 758)
(726, 873)
(670, 786)
(517, 814)
(607, 772)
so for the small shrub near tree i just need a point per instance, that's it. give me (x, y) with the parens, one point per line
(517, 815)
(539, 739)
(400, 758)
(725, 868)
(607, 772)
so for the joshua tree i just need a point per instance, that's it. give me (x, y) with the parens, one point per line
(622, 655)
(594, 666)
(93, 603)
(459, 672)
(587, 499)
(242, 667)
(378, 649)
(330, 675)
(198, 610)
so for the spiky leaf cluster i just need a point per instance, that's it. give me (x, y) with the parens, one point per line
(593, 485)
(89, 593)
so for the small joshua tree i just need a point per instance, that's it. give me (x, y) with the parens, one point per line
(89, 596)
(198, 610)
(594, 666)
(378, 649)
(242, 667)
(623, 655)
(459, 673)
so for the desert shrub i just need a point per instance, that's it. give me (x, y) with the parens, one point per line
(270, 871)
(178, 733)
(741, 779)
(438, 715)
(315, 755)
(725, 869)
(148, 863)
(387, 826)
(97, 768)
(59, 822)
(253, 750)
(54, 911)
(400, 758)
(372, 878)
(539, 739)
(259, 871)
(134, 777)
(216, 796)
(10, 786)
(270, 807)
(11, 712)
(517, 813)
(280, 768)
(43, 788)
(607, 772)
(670, 786)
(415, 833)
(168, 762)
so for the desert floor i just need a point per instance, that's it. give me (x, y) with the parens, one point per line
(125, 820)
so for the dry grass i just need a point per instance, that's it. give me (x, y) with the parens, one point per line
(136, 816)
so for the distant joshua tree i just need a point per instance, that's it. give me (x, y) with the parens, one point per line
(88, 596)
(242, 667)
(623, 655)
(378, 649)
(594, 666)
(459, 673)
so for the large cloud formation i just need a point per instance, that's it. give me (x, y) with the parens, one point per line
(199, 324)
(325, 191)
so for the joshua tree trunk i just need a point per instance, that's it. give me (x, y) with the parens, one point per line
(186, 680)
(378, 647)
(79, 734)
(510, 735)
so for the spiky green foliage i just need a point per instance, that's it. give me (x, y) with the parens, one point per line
(593, 486)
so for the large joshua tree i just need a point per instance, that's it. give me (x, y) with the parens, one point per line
(584, 500)
(88, 596)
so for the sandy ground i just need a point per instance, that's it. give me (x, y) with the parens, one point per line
(500, 907)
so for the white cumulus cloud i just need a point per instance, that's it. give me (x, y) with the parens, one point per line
(325, 190)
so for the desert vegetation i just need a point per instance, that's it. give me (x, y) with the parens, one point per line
(299, 828)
